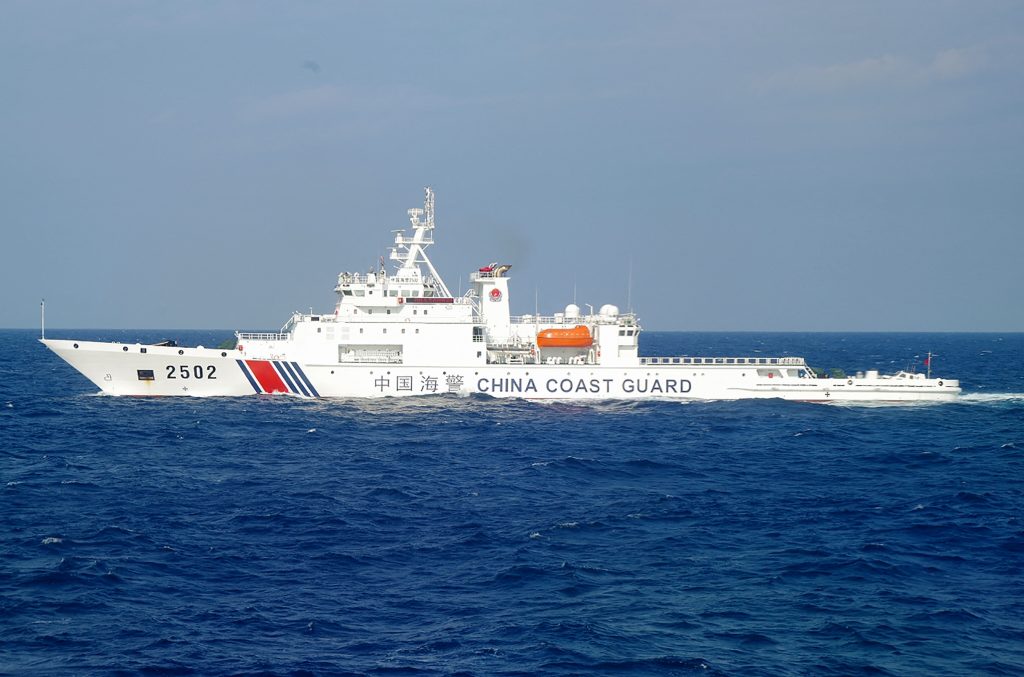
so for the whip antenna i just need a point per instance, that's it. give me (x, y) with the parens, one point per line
(629, 287)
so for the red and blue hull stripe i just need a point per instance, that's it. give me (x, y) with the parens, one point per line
(276, 376)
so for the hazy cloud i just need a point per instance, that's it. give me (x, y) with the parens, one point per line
(886, 70)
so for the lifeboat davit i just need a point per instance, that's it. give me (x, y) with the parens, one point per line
(577, 337)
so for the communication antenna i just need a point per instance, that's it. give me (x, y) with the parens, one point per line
(629, 287)
(42, 318)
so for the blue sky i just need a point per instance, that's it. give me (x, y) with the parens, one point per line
(794, 166)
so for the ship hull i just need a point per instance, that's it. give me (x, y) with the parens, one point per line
(138, 370)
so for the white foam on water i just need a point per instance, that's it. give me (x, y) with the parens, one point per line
(50, 540)
(992, 397)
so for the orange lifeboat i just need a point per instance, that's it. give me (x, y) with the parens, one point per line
(577, 337)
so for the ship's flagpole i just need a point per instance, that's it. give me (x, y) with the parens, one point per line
(536, 322)
(928, 364)
(42, 319)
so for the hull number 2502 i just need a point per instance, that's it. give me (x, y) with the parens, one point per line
(184, 371)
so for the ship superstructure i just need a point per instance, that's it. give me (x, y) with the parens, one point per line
(403, 332)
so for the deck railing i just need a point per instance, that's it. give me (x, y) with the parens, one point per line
(754, 361)
(247, 336)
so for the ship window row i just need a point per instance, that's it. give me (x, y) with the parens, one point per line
(627, 332)
(386, 330)
(391, 292)
(369, 311)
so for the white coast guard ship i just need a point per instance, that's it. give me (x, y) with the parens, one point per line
(404, 333)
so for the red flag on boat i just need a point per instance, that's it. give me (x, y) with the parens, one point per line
(928, 361)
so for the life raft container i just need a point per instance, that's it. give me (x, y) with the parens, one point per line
(577, 337)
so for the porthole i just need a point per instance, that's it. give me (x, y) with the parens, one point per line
(223, 354)
(124, 348)
(181, 352)
(76, 345)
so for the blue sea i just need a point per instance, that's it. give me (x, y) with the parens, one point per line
(471, 536)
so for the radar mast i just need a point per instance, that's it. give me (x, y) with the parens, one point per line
(410, 252)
